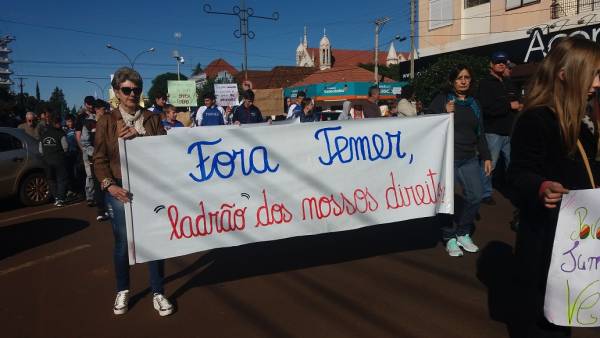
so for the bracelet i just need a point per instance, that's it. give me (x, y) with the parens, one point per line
(107, 182)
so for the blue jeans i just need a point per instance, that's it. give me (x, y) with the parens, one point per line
(120, 253)
(496, 144)
(466, 173)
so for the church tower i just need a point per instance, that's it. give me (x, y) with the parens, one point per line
(303, 59)
(392, 57)
(324, 52)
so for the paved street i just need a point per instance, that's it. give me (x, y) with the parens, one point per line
(392, 280)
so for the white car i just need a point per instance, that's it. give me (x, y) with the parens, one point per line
(22, 168)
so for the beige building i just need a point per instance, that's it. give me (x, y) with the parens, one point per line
(453, 25)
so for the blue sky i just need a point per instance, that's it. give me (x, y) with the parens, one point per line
(62, 43)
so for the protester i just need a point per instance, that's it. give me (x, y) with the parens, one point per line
(71, 155)
(370, 108)
(295, 109)
(44, 120)
(546, 163)
(247, 112)
(170, 120)
(30, 126)
(158, 107)
(498, 118)
(469, 148)
(210, 114)
(86, 114)
(407, 106)
(345, 114)
(127, 121)
(308, 114)
(88, 142)
(53, 144)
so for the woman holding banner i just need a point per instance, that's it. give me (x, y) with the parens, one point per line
(469, 141)
(554, 149)
(127, 121)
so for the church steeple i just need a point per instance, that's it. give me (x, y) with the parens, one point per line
(305, 42)
(324, 52)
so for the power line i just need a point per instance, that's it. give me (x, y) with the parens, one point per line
(134, 38)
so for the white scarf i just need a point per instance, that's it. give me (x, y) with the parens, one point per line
(136, 121)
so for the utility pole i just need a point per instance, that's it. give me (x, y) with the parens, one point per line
(378, 25)
(243, 14)
(21, 85)
(412, 39)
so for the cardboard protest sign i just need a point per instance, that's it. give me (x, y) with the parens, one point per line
(182, 93)
(227, 94)
(573, 287)
(270, 101)
(197, 189)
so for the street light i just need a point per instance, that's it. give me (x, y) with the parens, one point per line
(131, 63)
(102, 89)
(179, 59)
(378, 24)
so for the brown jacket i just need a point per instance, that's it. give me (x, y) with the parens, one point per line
(107, 161)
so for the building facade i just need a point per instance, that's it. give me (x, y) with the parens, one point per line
(525, 29)
(5, 61)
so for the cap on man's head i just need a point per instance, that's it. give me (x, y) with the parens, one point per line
(89, 100)
(499, 57)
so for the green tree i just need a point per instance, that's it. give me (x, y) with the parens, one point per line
(73, 111)
(57, 102)
(433, 79)
(159, 84)
(392, 71)
(37, 90)
(197, 70)
(8, 105)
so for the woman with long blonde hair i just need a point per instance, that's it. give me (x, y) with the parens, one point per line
(552, 139)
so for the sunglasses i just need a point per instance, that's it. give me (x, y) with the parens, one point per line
(500, 61)
(128, 90)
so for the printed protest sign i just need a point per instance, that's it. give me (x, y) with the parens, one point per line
(182, 93)
(197, 189)
(573, 287)
(227, 94)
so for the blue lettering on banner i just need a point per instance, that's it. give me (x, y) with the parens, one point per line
(223, 163)
(363, 148)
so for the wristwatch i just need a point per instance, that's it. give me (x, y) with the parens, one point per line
(107, 182)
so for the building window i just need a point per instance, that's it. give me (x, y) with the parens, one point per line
(512, 4)
(473, 3)
(440, 13)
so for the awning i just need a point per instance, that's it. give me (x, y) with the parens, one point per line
(341, 91)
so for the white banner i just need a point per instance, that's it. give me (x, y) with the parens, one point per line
(573, 287)
(227, 94)
(201, 188)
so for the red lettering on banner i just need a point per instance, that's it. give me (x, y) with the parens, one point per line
(431, 192)
(227, 218)
(267, 215)
(325, 206)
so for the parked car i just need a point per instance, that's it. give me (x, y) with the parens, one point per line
(22, 168)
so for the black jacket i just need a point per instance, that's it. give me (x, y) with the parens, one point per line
(498, 117)
(538, 154)
(469, 136)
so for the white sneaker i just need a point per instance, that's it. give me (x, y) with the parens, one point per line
(453, 249)
(467, 243)
(121, 302)
(162, 304)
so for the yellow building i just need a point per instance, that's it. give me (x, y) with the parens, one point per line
(525, 29)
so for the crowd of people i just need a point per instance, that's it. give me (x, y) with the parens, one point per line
(548, 142)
